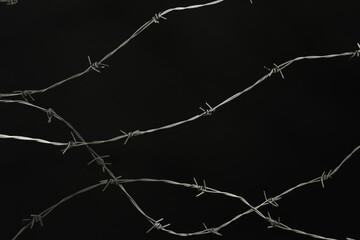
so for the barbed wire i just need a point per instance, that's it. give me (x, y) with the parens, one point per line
(78, 140)
(99, 65)
(205, 111)
(119, 181)
(25, 94)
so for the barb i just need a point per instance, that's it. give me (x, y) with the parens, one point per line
(209, 111)
(212, 230)
(272, 201)
(113, 181)
(273, 223)
(157, 225)
(157, 17)
(9, 2)
(202, 189)
(25, 94)
(275, 69)
(130, 135)
(325, 177)
(35, 218)
(96, 66)
(70, 144)
(100, 161)
(278, 224)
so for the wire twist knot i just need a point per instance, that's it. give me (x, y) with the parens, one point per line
(275, 69)
(157, 225)
(35, 218)
(97, 65)
(209, 111)
(157, 17)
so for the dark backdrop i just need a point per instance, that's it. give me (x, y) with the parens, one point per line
(283, 132)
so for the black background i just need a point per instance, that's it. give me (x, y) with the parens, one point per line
(283, 132)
